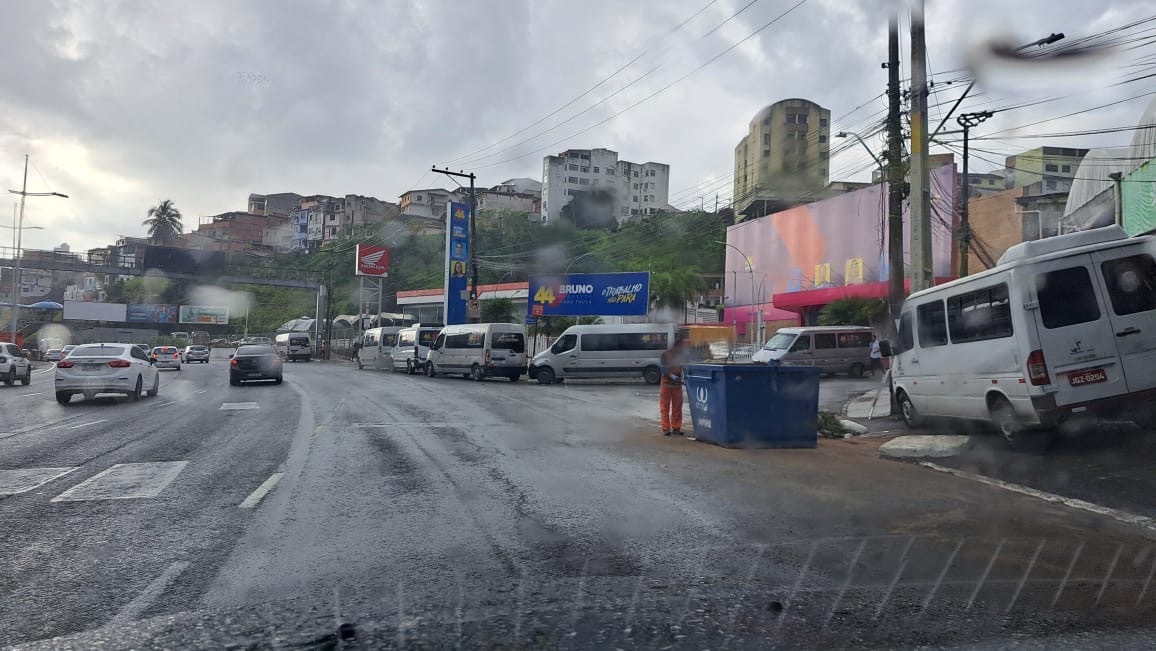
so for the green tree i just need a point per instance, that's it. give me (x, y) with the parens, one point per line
(164, 222)
(498, 310)
(673, 289)
(853, 310)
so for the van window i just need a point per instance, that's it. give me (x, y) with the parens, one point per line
(389, 341)
(802, 343)
(370, 339)
(466, 340)
(599, 342)
(824, 340)
(511, 341)
(426, 337)
(405, 338)
(1131, 283)
(855, 340)
(643, 341)
(1066, 297)
(299, 341)
(932, 325)
(438, 342)
(564, 343)
(979, 315)
(906, 333)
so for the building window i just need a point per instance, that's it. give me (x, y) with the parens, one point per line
(572, 168)
(766, 138)
(1050, 185)
(974, 181)
(1065, 168)
(636, 198)
(1051, 168)
(822, 138)
(635, 173)
(802, 118)
(991, 181)
(790, 118)
(584, 181)
(635, 187)
(572, 179)
(609, 171)
(586, 170)
(596, 169)
(822, 122)
(766, 153)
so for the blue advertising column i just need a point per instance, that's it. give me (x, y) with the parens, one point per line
(457, 256)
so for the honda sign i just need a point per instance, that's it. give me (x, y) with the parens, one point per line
(372, 260)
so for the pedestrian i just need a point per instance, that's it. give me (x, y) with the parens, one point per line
(356, 354)
(670, 388)
(876, 356)
(322, 348)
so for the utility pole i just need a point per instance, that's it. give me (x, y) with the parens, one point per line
(19, 226)
(967, 121)
(920, 199)
(895, 182)
(471, 316)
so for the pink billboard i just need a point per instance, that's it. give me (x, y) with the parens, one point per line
(830, 243)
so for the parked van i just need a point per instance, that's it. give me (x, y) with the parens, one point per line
(412, 348)
(479, 350)
(293, 346)
(602, 351)
(834, 349)
(1059, 328)
(377, 346)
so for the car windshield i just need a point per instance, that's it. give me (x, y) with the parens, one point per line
(759, 324)
(97, 351)
(781, 341)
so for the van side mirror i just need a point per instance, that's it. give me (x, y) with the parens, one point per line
(885, 348)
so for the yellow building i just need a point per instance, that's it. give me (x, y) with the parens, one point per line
(782, 161)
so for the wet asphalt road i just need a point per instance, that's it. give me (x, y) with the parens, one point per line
(388, 489)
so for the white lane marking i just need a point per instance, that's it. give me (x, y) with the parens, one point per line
(13, 482)
(86, 424)
(377, 425)
(1142, 521)
(133, 609)
(38, 393)
(235, 406)
(166, 404)
(256, 496)
(202, 391)
(125, 481)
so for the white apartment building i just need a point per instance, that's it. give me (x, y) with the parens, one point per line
(634, 189)
(427, 204)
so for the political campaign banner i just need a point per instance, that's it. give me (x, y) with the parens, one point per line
(612, 294)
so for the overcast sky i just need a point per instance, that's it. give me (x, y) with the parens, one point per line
(122, 104)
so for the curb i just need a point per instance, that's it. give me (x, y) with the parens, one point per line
(924, 446)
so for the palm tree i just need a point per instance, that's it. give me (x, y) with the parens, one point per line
(164, 223)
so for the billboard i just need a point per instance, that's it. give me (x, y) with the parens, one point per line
(151, 313)
(371, 260)
(1139, 199)
(620, 294)
(830, 243)
(85, 311)
(457, 255)
(204, 314)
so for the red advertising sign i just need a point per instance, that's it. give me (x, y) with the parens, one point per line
(372, 260)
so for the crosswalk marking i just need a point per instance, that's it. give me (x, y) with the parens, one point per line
(13, 482)
(235, 406)
(125, 481)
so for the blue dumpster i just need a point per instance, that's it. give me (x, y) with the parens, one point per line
(754, 405)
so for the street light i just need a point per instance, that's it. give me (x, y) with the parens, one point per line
(19, 228)
(844, 134)
(750, 269)
(584, 255)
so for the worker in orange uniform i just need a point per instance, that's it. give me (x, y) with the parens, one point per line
(670, 388)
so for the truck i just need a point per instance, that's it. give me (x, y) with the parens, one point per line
(199, 338)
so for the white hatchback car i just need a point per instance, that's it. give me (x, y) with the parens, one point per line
(93, 369)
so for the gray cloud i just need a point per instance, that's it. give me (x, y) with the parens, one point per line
(122, 104)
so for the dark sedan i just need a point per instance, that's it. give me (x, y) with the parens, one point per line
(254, 362)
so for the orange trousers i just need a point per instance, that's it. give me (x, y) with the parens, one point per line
(670, 406)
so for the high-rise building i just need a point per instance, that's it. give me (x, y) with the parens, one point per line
(782, 161)
(607, 190)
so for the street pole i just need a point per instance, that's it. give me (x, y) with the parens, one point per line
(967, 121)
(920, 199)
(895, 191)
(16, 254)
(750, 269)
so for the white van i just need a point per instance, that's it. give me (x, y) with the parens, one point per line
(412, 348)
(602, 351)
(479, 350)
(377, 346)
(293, 346)
(834, 349)
(1059, 328)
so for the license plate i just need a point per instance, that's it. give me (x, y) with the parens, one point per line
(1090, 376)
(252, 375)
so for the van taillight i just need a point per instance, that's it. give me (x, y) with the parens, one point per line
(487, 358)
(1038, 369)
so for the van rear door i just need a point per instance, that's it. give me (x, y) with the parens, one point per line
(1129, 276)
(1076, 336)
